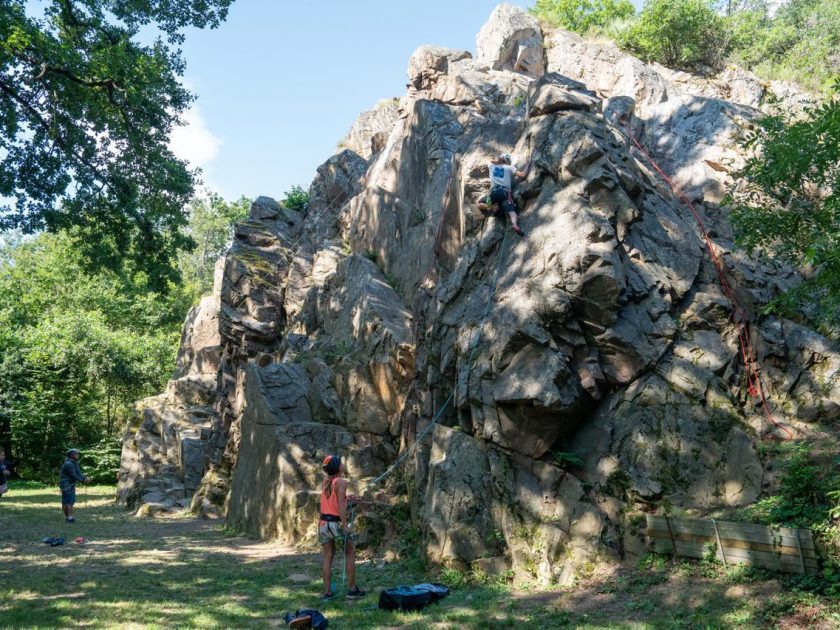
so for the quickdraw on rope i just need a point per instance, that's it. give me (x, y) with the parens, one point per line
(755, 387)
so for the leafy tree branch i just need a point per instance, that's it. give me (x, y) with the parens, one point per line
(85, 116)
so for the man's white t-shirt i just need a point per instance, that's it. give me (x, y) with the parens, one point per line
(501, 175)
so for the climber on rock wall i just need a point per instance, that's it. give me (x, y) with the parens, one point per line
(501, 183)
(333, 527)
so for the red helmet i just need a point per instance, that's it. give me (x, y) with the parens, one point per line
(332, 464)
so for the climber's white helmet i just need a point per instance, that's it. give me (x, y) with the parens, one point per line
(504, 157)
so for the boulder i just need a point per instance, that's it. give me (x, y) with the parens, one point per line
(695, 140)
(319, 247)
(369, 132)
(680, 439)
(605, 69)
(276, 484)
(511, 40)
(200, 349)
(490, 92)
(486, 510)
(547, 95)
(428, 64)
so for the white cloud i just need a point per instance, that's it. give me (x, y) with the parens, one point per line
(193, 141)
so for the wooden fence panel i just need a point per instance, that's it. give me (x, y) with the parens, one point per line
(731, 539)
(776, 548)
(748, 532)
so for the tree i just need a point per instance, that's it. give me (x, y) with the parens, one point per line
(678, 33)
(77, 348)
(211, 221)
(85, 116)
(798, 42)
(790, 207)
(582, 16)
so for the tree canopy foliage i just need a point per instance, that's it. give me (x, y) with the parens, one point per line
(211, 221)
(582, 16)
(791, 207)
(799, 41)
(85, 115)
(677, 33)
(79, 346)
(76, 348)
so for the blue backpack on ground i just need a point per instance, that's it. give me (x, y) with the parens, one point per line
(407, 598)
(306, 618)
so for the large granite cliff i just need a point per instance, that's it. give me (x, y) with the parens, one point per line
(603, 333)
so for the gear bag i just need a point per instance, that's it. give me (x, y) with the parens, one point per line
(415, 597)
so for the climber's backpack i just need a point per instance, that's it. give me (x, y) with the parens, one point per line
(306, 618)
(415, 597)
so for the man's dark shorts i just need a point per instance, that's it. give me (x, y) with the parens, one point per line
(502, 197)
(68, 497)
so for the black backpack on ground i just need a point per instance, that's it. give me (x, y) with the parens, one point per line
(407, 598)
(306, 618)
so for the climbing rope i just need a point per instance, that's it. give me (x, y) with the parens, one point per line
(755, 386)
(344, 548)
(473, 346)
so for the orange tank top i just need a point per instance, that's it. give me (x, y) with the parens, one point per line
(329, 505)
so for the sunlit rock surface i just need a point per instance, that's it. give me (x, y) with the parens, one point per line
(589, 368)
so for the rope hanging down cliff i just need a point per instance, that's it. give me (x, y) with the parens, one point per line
(473, 346)
(755, 386)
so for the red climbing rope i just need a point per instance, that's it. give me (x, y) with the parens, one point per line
(755, 387)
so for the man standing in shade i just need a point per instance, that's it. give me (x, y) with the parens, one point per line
(70, 473)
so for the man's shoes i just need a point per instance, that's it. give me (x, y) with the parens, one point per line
(518, 230)
(327, 596)
(355, 593)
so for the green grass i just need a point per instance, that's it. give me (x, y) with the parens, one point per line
(179, 572)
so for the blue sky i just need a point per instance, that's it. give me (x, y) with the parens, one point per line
(280, 82)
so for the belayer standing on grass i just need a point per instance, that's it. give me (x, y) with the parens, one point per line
(68, 476)
(501, 184)
(333, 527)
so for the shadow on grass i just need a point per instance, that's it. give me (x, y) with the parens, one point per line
(171, 572)
(184, 572)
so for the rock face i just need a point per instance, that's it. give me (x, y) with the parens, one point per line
(368, 134)
(602, 337)
(511, 40)
(163, 451)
